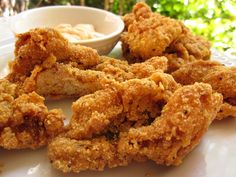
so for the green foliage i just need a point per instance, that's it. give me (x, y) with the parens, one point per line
(214, 19)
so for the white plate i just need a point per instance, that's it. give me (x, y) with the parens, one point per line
(214, 157)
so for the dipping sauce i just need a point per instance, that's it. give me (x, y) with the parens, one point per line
(78, 32)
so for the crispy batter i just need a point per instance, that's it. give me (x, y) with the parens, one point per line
(183, 121)
(69, 155)
(190, 47)
(58, 79)
(195, 71)
(150, 34)
(121, 70)
(221, 78)
(149, 37)
(25, 122)
(226, 111)
(65, 80)
(133, 103)
(140, 10)
(34, 47)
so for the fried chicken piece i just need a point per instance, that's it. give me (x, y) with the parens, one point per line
(58, 79)
(121, 70)
(48, 64)
(183, 121)
(133, 103)
(221, 78)
(34, 47)
(149, 37)
(186, 49)
(226, 111)
(69, 155)
(25, 122)
(195, 71)
(65, 80)
(150, 34)
(139, 11)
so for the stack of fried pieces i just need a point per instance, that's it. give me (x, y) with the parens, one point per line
(124, 112)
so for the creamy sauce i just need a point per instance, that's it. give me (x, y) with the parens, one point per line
(78, 32)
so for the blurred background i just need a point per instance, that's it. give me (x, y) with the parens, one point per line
(214, 19)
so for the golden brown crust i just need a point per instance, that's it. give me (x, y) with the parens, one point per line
(34, 47)
(183, 121)
(60, 80)
(25, 121)
(221, 78)
(134, 102)
(65, 80)
(150, 37)
(226, 111)
(149, 34)
(195, 71)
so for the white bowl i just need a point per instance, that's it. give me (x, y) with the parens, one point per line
(104, 22)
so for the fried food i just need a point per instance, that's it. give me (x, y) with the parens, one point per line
(121, 106)
(221, 78)
(25, 122)
(63, 80)
(173, 134)
(151, 34)
(48, 64)
(58, 79)
(34, 47)
(183, 122)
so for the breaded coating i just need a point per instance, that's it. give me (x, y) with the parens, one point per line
(48, 64)
(140, 10)
(133, 103)
(195, 71)
(121, 70)
(151, 34)
(34, 47)
(149, 37)
(221, 78)
(182, 123)
(25, 122)
(190, 47)
(69, 155)
(65, 80)
(186, 49)
(226, 111)
(60, 80)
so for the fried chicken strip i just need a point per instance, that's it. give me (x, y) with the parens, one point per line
(184, 120)
(150, 34)
(117, 108)
(58, 79)
(65, 80)
(34, 47)
(25, 122)
(221, 78)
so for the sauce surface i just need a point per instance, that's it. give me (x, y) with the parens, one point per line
(78, 32)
